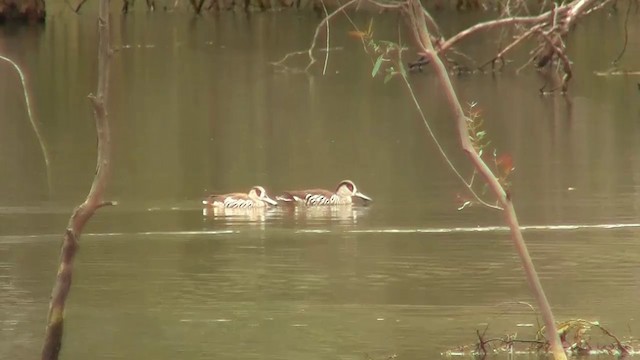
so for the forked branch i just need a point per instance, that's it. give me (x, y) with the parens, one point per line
(94, 200)
(309, 51)
(418, 26)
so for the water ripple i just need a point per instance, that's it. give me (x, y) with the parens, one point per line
(447, 230)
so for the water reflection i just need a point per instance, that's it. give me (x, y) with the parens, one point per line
(341, 214)
(300, 215)
(257, 214)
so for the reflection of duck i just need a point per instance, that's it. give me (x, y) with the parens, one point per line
(314, 215)
(252, 214)
(346, 212)
(256, 198)
(343, 195)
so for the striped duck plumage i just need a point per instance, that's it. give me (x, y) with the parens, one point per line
(343, 195)
(256, 198)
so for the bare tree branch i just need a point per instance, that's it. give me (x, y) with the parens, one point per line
(419, 27)
(32, 120)
(555, 49)
(309, 51)
(434, 138)
(488, 25)
(94, 200)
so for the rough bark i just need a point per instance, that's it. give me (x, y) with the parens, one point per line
(94, 200)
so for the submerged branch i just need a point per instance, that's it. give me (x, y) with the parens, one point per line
(94, 200)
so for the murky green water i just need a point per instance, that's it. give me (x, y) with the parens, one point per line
(197, 108)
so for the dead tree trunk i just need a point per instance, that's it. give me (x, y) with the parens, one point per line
(94, 200)
(22, 10)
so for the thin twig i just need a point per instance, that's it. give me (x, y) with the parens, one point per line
(597, 7)
(34, 124)
(570, 11)
(576, 10)
(310, 50)
(491, 25)
(563, 57)
(312, 59)
(326, 57)
(626, 35)
(394, 5)
(518, 40)
(77, 8)
(444, 155)
(281, 62)
(364, 44)
(434, 25)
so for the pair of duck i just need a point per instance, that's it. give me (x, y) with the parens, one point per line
(257, 197)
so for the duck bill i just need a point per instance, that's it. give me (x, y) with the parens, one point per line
(362, 196)
(269, 200)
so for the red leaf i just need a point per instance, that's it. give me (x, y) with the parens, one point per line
(505, 163)
(357, 34)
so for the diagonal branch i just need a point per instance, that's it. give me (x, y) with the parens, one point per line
(94, 200)
(419, 27)
(488, 25)
(441, 150)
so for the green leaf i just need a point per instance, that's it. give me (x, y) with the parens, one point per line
(376, 66)
(388, 77)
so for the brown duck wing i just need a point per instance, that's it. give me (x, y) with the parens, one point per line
(220, 198)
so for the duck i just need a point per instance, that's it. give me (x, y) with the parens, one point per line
(256, 198)
(343, 195)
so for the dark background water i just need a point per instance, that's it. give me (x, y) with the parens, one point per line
(196, 108)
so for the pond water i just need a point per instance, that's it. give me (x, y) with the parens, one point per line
(196, 107)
